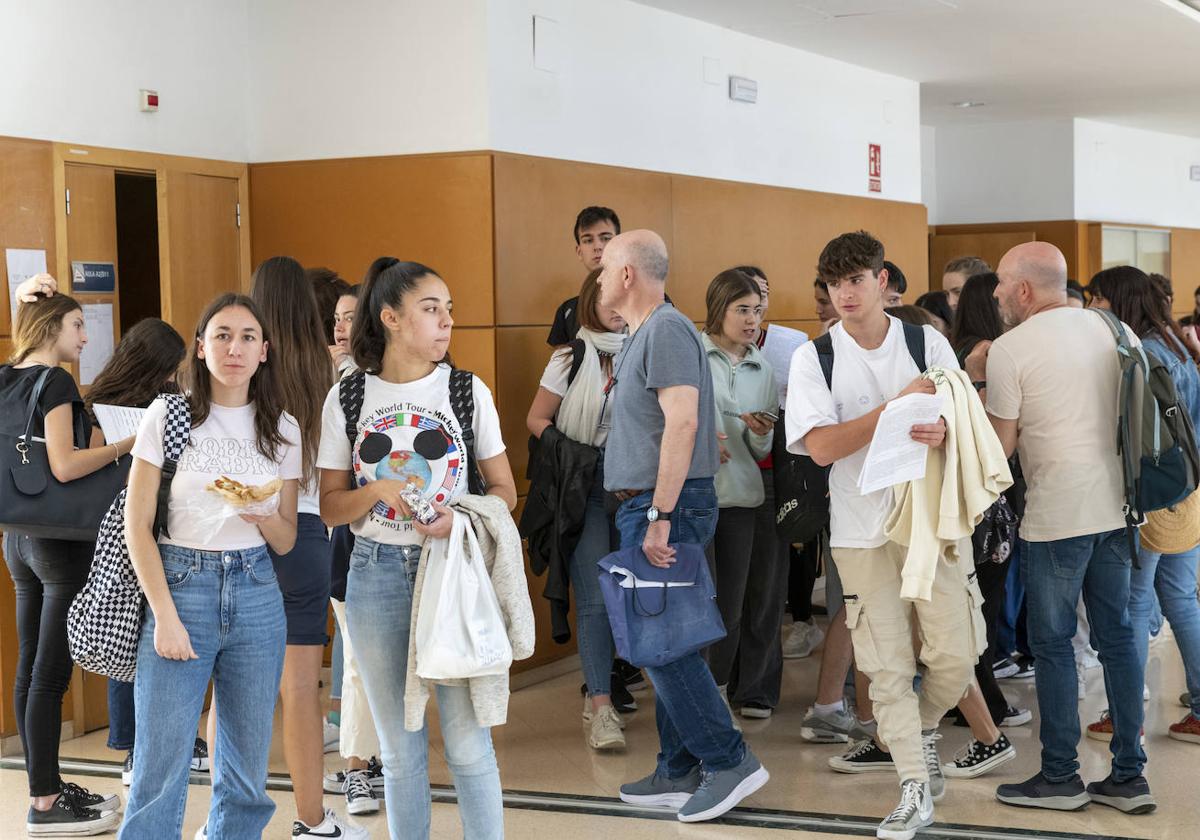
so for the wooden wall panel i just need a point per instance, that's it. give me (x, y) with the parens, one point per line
(1185, 265)
(26, 205)
(435, 209)
(720, 224)
(990, 247)
(521, 354)
(474, 349)
(1064, 234)
(537, 200)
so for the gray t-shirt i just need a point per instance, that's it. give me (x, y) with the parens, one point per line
(665, 351)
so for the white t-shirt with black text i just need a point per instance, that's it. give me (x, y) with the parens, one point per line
(863, 380)
(407, 432)
(223, 445)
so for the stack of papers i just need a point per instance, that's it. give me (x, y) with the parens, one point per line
(894, 457)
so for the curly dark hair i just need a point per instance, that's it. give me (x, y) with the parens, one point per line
(849, 254)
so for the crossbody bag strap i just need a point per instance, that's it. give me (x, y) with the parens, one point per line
(462, 402)
(352, 390)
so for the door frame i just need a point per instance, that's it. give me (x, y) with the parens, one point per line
(157, 164)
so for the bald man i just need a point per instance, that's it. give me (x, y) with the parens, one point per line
(660, 461)
(1051, 385)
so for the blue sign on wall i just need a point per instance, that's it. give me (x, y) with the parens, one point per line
(92, 277)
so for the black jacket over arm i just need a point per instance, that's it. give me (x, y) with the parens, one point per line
(561, 472)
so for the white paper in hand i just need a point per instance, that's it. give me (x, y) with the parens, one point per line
(118, 421)
(894, 457)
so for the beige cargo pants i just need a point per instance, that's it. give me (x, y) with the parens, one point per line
(952, 634)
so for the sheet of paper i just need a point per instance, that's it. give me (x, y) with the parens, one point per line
(781, 343)
(98, 320)
(893, 456)
(117, 421)
(23, 263)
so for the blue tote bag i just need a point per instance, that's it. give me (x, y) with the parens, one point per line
(660, 615)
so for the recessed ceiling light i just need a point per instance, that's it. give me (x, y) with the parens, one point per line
(968, 104)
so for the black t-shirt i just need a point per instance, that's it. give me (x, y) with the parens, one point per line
(16, 385)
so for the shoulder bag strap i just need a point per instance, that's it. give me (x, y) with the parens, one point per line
(824, 346)
(177, 431)
(34, 397)
(914, 337)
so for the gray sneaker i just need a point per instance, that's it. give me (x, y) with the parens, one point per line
(827, 727)
(914, 812)
(722, 790)
(1039, 792)
(660, 792)
(937, 781)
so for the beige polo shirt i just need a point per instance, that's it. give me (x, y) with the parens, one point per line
(1057, 375)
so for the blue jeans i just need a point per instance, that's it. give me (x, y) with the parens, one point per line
(378, 614)
(1055, 573)
(1173, 578)
(121, 724)
(230, 605)
(694, 726)
(596, 649)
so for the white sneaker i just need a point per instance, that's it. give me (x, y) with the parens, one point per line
(725, 700)
(333, 736)
(803, 640)
(605, 732)
(360, 796)
(201, 833)
(332, 826)
(914, 812)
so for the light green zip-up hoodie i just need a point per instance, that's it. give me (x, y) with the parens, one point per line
(745, 388)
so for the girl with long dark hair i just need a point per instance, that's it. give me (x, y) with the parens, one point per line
(214, 610)
(408, 437)
(284, 296)
(1134, 298)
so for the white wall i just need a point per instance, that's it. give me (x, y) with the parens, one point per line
(1135, 176)
(630, 92)
(1004, 172)
(366, 77)
(70, 70)
(929, 171)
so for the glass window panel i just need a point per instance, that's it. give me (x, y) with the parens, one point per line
(1154, 251)
(1118, 247)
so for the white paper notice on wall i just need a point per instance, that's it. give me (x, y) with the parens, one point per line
(549, 49)
(23, 263)
(98, 320)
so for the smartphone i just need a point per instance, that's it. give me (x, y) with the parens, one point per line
(767, 414)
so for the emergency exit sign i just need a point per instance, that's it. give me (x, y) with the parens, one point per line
(874, 168)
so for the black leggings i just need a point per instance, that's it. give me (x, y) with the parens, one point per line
(47, 574)
(991, 577)
(802, 577)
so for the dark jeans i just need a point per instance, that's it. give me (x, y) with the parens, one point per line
(732, 548)
(758, 670)
(802, 577)
(991, 578)
(694, 726)
(1055, 572)
(47, 575)
(121, 722)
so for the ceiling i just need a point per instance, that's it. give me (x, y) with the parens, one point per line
(1132, 62)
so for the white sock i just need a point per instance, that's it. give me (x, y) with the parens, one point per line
(829, 708)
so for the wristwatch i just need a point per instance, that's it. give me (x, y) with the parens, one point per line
(656, 515)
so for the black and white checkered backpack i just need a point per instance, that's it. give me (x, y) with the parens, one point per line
(104, 623)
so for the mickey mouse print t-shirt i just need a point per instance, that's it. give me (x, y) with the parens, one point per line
(408, 433)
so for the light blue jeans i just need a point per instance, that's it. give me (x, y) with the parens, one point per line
(1173, 578)
(230, 604)
(596, 648)
(378, 612)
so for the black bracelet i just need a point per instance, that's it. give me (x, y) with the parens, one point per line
(980, 384)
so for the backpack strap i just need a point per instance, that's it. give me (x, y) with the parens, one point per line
(578, 349)
(462, 402)
(177, 431)
(824, 345)
(351, 391)
(914, 337)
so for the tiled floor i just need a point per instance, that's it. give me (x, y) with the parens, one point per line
(542, 749)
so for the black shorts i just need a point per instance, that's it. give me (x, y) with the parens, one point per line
(304, 581)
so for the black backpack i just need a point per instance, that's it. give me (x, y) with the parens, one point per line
(352, 390)
(801, 484)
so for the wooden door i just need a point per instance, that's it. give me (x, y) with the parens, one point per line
(91, 237)
(989, 246)
(201, 251)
